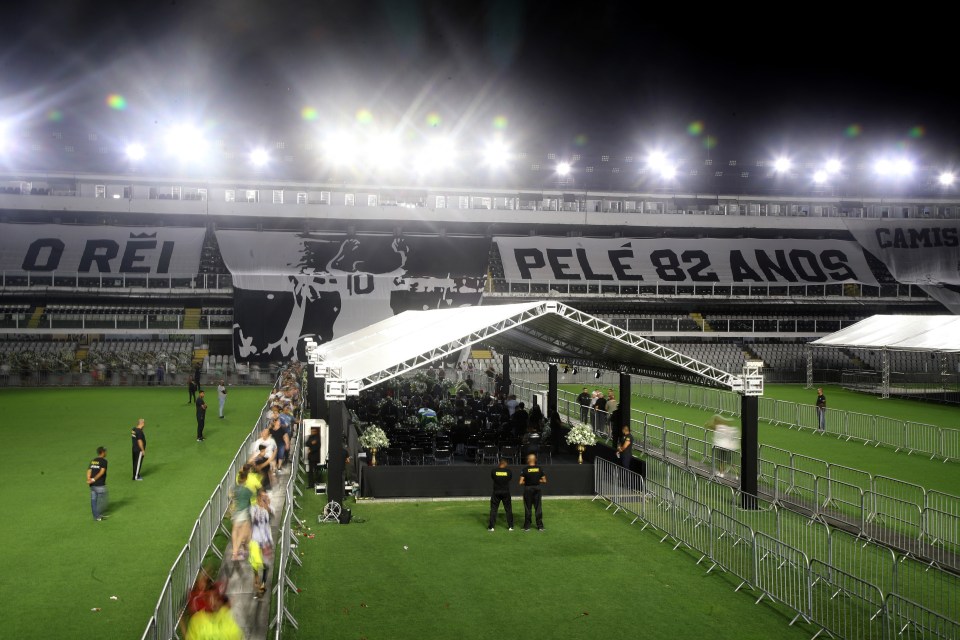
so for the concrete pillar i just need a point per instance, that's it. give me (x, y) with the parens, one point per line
(624, 402)
(336, 423)
(551, 391)
(749, 454)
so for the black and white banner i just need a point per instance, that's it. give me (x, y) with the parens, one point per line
(690, 261)
(69, 249)
(289, 286)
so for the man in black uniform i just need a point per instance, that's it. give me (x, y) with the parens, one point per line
(584, 401)
(201, 415)
(531, 479)
(501, 493)
(313, 456)
(139, 441)
(97, 481)
(192, 390)
(625, 448)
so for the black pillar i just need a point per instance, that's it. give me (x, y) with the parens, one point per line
(315, 393)
(624, 405)
(551, 391)
(506, 375)
(749, 458)
(335, 466)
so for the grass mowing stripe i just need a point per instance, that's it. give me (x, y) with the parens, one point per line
(60, 563)
(590, 575)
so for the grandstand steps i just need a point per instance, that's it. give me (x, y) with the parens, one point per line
(199, 355)
(854, 358)
(701, 322)
(750, 354)
(191, 318)
(35, 317)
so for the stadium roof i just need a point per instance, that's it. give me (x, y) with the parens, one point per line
(905, 333)
(545, 331)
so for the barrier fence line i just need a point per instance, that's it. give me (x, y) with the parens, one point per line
(176, 588)
(840, 583)
(286, 546)
(925, 524)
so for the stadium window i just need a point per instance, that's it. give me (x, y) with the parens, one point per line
(371, 200)
(604, 158)
(551, 156)
(589, 169)
(152, 194)
(202, 195)
(441, 202)
(128, 193)
(229, 195)
(616, 169)
(277, 196)
(349, 199)
(252, 195)
(174, 193)
(324, 197)
(464, 202)
(301, 197)
(773, 209)
(100, 191)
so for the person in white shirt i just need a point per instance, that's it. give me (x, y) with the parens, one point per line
(222, 396)
(271, 446)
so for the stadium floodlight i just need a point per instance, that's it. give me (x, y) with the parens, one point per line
(668, 172)
(657, 160)
(135, 152)
(899, 168)
(384, 152)
(340, 149)
(496, 154)
(3, 137)
(833, 166)
(782, 164)
(186, 142)
(883, 167)
(563, 169)
(259, 157)
(438, 154)
(903, 167)
(946, 179)
(820, 176)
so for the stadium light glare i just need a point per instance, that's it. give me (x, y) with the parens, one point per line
(833, 166)
(259, 157)
(883, 167)
(946, 179)
(135, 152)
(186, 142)
(384, 152)
(820, 176)
(668, 172)
(898, 168)
(3, 137)
(657, 160)
(496, 154)
(563, 169)
(903, 167)
(436, 155)
(782, 164)
(340, 148)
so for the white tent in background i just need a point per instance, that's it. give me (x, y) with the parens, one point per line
(907, 333)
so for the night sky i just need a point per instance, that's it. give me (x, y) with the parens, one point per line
(591, 76)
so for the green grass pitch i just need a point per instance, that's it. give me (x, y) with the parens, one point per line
(60, 562)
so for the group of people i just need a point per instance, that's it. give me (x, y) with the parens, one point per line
(597, 407)
(532, 480)
(197, 397)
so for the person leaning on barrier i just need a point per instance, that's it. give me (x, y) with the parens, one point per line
(584, 401)
(821, 410)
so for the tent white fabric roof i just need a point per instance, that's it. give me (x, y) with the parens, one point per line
(907, 333)
(547, 331)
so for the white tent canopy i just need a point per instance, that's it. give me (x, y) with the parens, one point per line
(907, 333)
(546, 331)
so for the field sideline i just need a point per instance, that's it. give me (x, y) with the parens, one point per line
(60, 562)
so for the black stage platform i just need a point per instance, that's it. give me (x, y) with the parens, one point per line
(466, 480)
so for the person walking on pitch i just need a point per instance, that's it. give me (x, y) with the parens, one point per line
(139, 441)
(201, 414)
(222, 396)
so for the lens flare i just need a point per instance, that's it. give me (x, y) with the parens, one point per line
(364, 116)
(500, 122)
(917, 132)
(116, 102)
(433, 119)
(309, 114)
(563, 169)
(55, 115)
(853, 131)
(709, 142)
(695, 128)
(581, 140)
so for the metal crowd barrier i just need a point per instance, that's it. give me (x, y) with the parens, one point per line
(176, 588)
(903, 515)
(901, 435)
(287, 545)
(842, 584)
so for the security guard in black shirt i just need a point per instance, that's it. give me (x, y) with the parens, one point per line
(313, 456)
(531, 479)
(139, 442)
(625, 448)
(501, 493)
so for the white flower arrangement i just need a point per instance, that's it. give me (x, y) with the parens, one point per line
(448, 420)
(431, 426)
(581, 435)
(373, 437)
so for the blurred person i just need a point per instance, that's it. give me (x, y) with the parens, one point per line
(531, 479)
(266, 440)
(160, 373)
(261, 541)
(222, 396)
(821, 410)
(214, 622)
(97, 481)
(196, 375)
(261, 462)
(599, 412)
(313, 456)
(625, 447)
(201, 405)
(242, 497)
(191, 390)
(584, 400)
(139, 441)
(501, 476)
(726, 438)
(281, 437)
